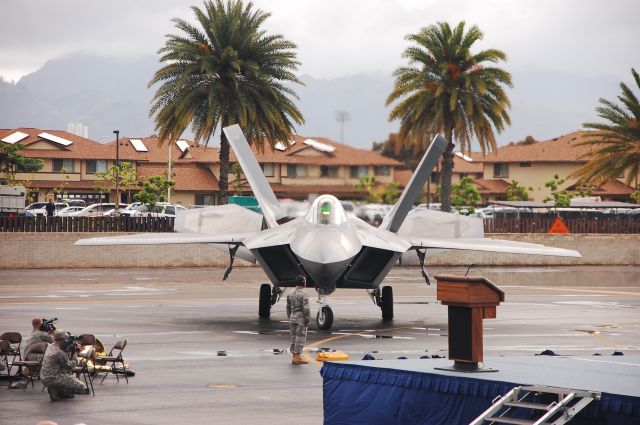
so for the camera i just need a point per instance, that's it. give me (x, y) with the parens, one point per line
(70, 342)
(48, 325)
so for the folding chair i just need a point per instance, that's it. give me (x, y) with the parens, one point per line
(87, 339)
(114, 360)
(85, 356)
(14, 339)
(33, 365)
(4, 351)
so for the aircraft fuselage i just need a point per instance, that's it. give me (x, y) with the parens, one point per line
(328, 251)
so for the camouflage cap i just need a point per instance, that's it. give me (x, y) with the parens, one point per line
(59, 334)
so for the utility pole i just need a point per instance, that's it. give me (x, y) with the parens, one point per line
(169, 174)
(342, 117)
(117, 133)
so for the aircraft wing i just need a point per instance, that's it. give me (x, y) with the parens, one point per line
(166, 238)
(491, 245)
(224, 224)
(439, 230)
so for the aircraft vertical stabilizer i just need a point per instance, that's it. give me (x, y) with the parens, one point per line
(269, 204)
(393, 221)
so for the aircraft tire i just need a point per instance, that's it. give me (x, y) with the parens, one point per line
(264, 303)
(324, 319)
(387, 303)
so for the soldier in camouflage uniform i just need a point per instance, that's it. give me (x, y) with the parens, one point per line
(56, 371)
(299, 315)
(37, 335)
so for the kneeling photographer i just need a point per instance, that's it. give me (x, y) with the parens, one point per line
(42, 331)
(56, 372)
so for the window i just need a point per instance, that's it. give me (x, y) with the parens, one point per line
(59, 164)
(328, 171)
(525, 164)
(382, 170)
(96, 166)
(358, 171)
(296, 170)
(204, 199)
(268, 169)
(170, 209)
(500, 170)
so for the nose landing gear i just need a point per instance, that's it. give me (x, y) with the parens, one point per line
(324, 318)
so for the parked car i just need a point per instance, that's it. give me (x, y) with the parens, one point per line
(116, 211)
(373, 213)
(93, 210)
(37, 209)
(67, 211)
(73, 202)
(349, 208)
(432, 206)
(130, 210)
(159, 210)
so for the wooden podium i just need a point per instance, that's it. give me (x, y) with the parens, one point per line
(469, 299)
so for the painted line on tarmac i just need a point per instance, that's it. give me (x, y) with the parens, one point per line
(317, 344)
(591, 291)
(321, 342)
(161, 300)
(607, 361)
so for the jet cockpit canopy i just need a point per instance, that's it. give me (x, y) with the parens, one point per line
(326, 209)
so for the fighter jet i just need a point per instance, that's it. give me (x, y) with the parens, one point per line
(333, 250)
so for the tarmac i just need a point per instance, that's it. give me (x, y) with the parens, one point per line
(201, 355)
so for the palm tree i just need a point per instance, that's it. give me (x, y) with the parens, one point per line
(616, 142)
(447, 89)
(226, 71)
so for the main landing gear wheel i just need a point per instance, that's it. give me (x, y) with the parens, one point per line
(264, 305)
(324, 319)
(386, 303)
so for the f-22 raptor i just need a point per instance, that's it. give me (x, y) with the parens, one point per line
(332, 250)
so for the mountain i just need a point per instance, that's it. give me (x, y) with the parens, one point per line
(107, 94)
(362, 96)
(103, 93)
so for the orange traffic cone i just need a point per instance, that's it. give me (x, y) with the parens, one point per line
(559, 227)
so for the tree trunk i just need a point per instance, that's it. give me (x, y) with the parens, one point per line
(445, 177)
(224, 169)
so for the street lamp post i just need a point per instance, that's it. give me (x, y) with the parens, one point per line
(117, 133)
(169, 174)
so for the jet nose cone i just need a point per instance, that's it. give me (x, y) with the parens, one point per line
(325, 252)
(326, 245)
(325, 276)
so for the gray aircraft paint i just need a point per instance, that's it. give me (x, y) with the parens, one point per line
(266, 198)
(339, 253)
(394, 220)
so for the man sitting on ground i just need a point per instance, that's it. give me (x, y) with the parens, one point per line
(56, 371)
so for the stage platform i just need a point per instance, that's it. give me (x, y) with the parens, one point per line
(408, 392)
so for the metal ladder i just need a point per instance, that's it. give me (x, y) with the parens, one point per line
(568, 403)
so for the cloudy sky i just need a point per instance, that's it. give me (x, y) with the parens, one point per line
(594, 39)
(338, 37)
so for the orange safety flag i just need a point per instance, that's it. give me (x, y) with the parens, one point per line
(558, 226)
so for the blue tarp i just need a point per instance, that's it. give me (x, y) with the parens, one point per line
(357, 394)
